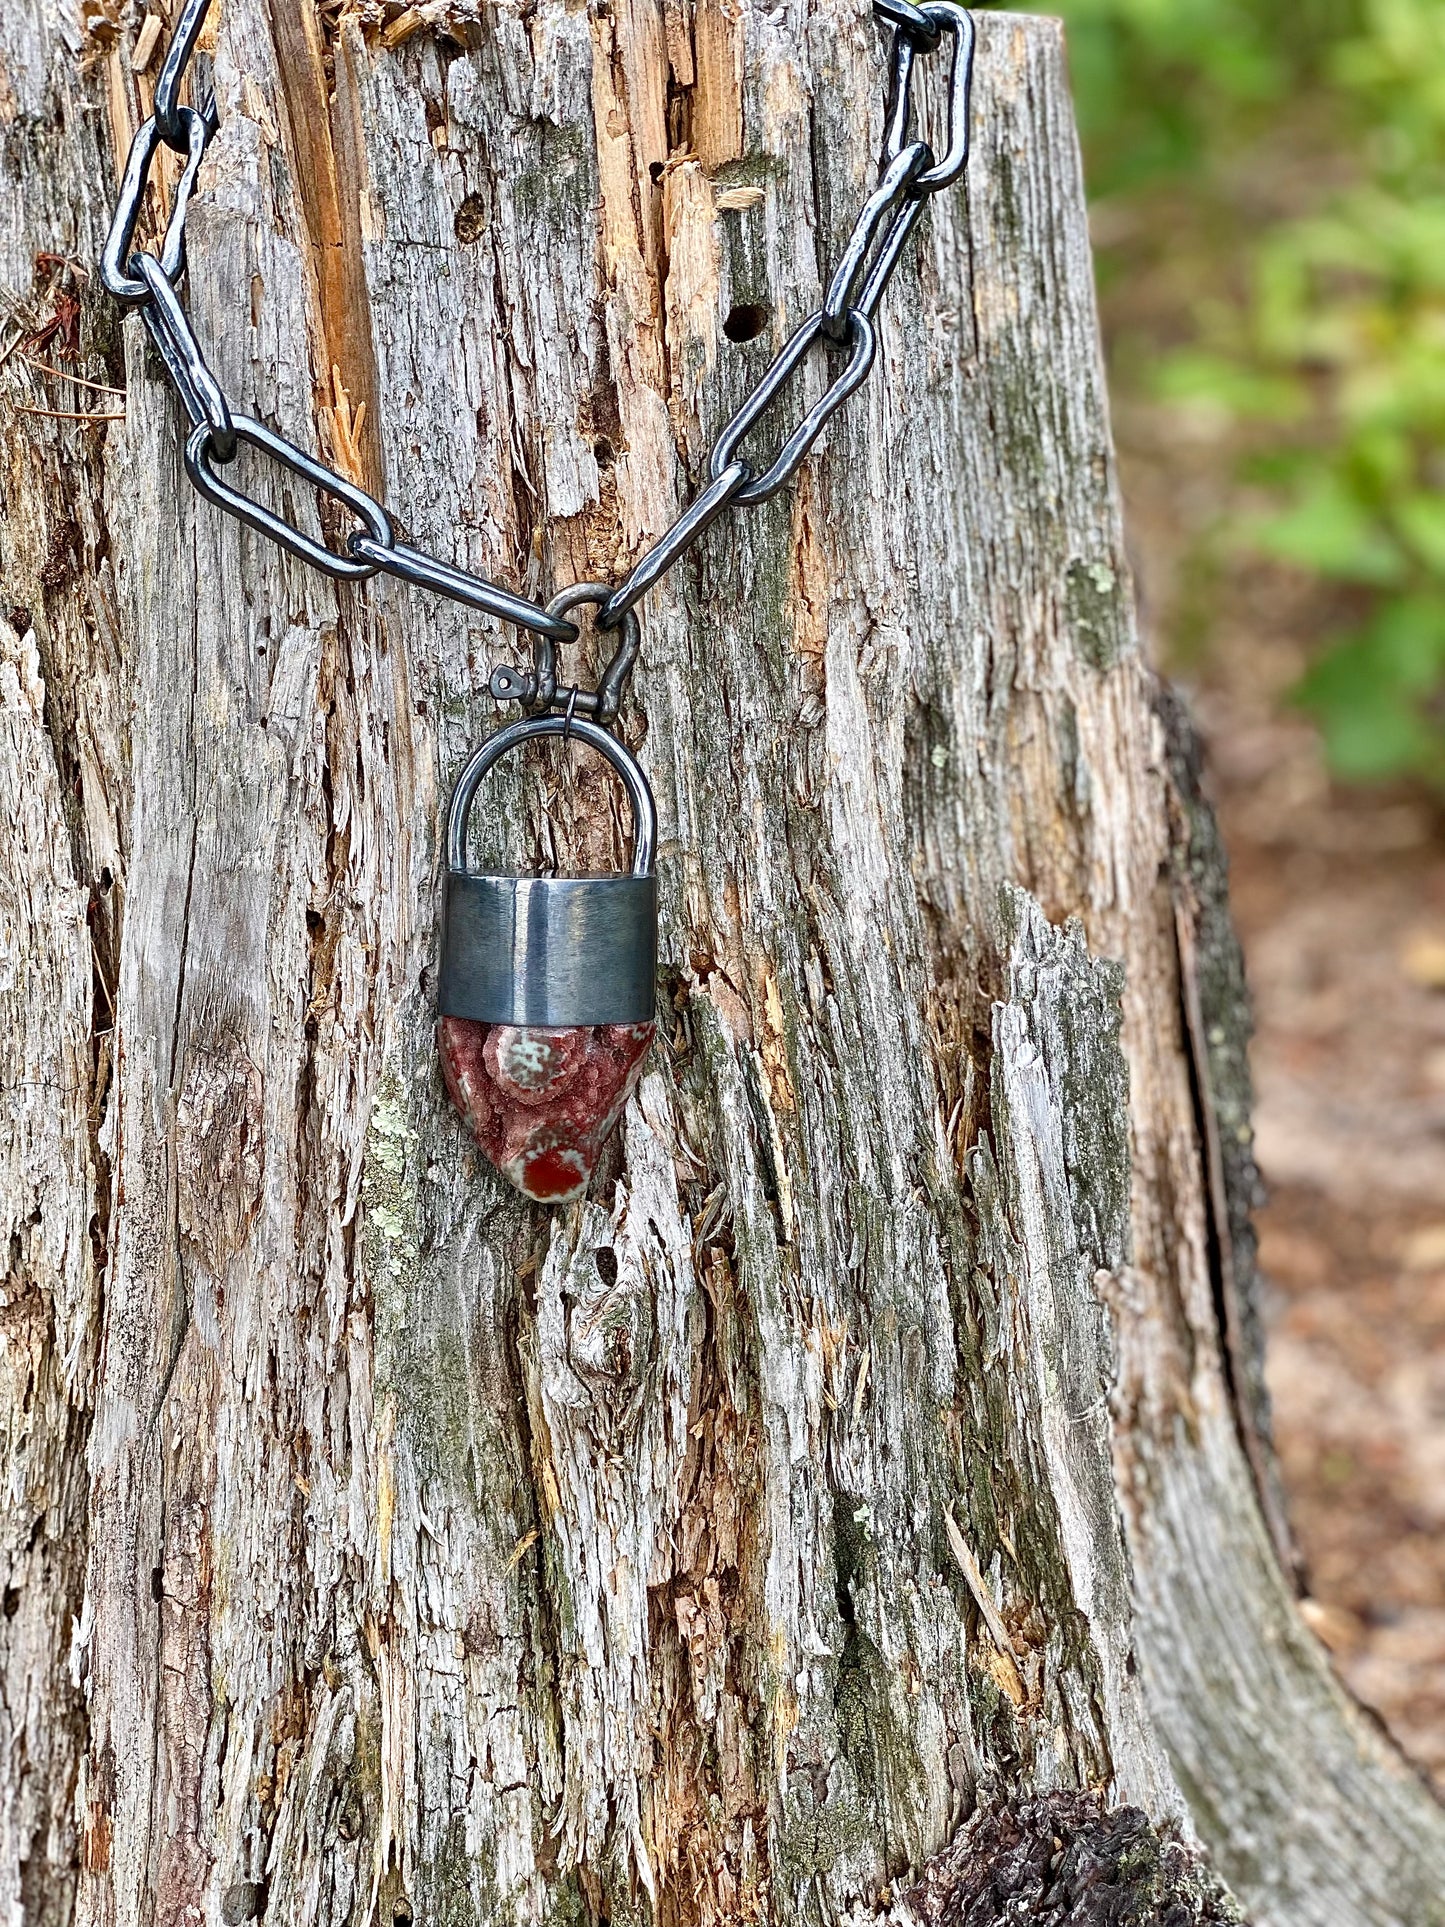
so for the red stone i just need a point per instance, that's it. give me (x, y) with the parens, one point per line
(542, 1103)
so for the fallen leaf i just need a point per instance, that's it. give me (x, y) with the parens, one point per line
(1425, 1250)
(1423, 959)
(1335, 1628)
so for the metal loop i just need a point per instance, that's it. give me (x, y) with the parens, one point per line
(790, 456)
(613, 679)
(898, 114)
(889, 255)
(297, 462)
(491, 752)
(910, 20)
(171, 330)
(537, 688)
(957, 22)
(426, 572)
(169, 114)
(898, 178)
(699, 515)
(114, 263)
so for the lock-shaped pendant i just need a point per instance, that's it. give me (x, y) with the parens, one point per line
(547, 999)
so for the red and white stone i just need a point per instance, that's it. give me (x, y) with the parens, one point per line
(542, 1103)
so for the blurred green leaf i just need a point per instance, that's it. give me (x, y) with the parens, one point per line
(1320, 333)
(1421, 521)
(1370, 693)
(1250, 393)
(1330, 531)
(1370, 734)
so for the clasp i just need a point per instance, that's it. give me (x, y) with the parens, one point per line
(537, 689)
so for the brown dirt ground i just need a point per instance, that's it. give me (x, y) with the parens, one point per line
(1339, 897)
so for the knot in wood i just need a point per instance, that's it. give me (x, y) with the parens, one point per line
(220, 1152)
(611, 1328)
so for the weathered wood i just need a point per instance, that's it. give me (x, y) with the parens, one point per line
(877, 1442)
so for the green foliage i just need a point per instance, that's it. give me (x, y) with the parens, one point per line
(1319, 328)
(1161, 84)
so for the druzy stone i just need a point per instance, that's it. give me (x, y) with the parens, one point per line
(542, 1103)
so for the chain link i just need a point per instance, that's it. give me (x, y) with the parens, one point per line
(201, 394)
(910, 173)
(945, 18)
(200, 455)
(115, 257)
(170, 115)
(898, 177)
(785, 464)
(909, 20)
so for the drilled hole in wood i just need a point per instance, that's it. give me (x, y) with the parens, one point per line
(746, 321)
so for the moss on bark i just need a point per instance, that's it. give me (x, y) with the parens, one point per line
(1066, 1860)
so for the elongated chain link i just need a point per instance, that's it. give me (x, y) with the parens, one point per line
(910, 173)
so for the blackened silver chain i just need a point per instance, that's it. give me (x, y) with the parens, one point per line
(910, 172)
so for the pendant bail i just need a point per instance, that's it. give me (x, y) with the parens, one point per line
(537, 688)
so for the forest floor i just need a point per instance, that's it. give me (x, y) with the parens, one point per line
(1339, 897)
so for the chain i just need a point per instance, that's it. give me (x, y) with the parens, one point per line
(910, 173)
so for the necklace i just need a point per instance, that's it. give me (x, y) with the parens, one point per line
(546, 996)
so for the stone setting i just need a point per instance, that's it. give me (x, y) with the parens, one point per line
(541, 1103)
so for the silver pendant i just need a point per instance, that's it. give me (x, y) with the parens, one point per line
(547, 997)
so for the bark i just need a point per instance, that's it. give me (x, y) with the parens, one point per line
(881, 1451)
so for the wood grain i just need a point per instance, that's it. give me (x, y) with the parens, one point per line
(382, 1548)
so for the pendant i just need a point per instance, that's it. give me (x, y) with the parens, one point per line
(547, 1000)
(542, 1102)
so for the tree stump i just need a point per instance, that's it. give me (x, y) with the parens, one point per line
(877, 1461)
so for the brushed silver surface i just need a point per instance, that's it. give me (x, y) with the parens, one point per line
(552, 951)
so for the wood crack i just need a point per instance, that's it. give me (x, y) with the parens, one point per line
(324, 141)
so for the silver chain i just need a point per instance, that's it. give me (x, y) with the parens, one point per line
(909, 174)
